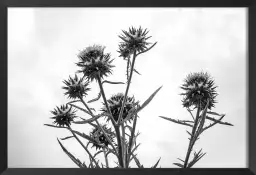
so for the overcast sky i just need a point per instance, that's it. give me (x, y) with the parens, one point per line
(42, 48)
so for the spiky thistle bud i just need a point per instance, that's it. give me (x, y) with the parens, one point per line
(94, 62)
(75, 87)
(115, 104)
(99, 137)
(63, 115)
(199, 87)
(134, 39)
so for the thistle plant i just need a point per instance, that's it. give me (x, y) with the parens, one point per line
(199, 95)
(117, 134)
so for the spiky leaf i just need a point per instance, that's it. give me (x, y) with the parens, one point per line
(149, 99)
(156, 163)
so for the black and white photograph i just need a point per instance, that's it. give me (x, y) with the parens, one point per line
(127, 87)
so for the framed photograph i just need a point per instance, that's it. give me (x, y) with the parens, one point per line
(127, 87)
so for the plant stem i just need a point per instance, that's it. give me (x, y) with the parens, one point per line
(98, 123)
(192, 140)
(120, 150)
(118, 136)
(131, 139)
(105, 100)
(124, 146)
(127, 88)
(122, 109)
(88, 152)
(106, 158)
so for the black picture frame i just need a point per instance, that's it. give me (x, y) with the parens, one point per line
(251, 86)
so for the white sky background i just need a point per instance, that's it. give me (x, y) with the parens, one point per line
(42, 48)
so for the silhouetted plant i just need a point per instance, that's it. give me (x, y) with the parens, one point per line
(120, 110)
(118, 134)
(200, 94)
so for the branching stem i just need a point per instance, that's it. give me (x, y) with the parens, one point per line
(98, 124)
(88, 152)
(118, 136)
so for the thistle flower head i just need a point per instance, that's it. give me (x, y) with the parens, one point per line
(133, 40)
(199, 88)
(94, 62)
(124, 51)
(75, 87)
(63, 115)
(99, 137)
(115, 104)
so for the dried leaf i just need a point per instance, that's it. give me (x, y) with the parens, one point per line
(211, 125)
(197, 157)
(180, 159)
(213, 113)
(136, 71)
(148, 100)
(220, 122)
(156, 163)
(189, 133)
(55, 126)
(182, 122)
(84, 136)
(75, 160)
(80, 108)
(137, 161)
(178, 164)
(112, 82)
(89, 120)
(135, 148)
(67, 138)
(73, 101)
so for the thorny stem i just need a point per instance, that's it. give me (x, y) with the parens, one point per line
(192, 141)
(127, 88)
(124, 146)
(98, 123)
(122, 108)
(131, 139)
(88, 152)
(105, 100)
(118, 136)
(106, 158)
(129, 81)
(127, 68)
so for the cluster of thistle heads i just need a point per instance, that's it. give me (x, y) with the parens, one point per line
(94, 65)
